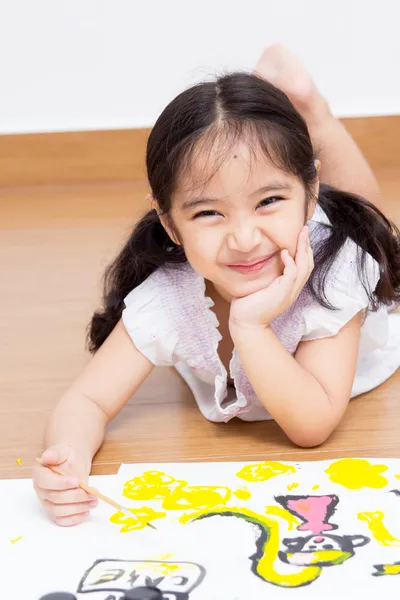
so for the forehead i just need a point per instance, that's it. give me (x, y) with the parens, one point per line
(228, 172)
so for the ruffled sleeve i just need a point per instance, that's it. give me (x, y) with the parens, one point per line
(148, 323)
(345, 291)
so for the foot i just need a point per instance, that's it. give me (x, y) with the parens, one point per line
(281, 68)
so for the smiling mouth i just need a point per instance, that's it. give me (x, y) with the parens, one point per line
(253, 267)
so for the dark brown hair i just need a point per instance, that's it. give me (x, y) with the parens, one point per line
(234, 107)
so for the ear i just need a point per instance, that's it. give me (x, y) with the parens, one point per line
(153, 203)
(315, 193)
(164, 219)
(166, 223)
(358, 540)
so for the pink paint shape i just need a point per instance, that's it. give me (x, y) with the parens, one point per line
(313, 511)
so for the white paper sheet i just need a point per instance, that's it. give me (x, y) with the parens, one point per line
(224, 531)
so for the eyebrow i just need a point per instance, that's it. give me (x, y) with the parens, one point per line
(274, 186)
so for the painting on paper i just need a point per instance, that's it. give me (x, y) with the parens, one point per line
(233, 531)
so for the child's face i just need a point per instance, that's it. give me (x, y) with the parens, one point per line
(247, 212)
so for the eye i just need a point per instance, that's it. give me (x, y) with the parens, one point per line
(205, 213)
(270, 200)
(328, 546)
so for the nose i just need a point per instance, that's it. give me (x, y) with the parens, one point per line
(319, 540)
(244, 236)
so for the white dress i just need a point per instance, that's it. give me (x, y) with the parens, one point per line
(170, 321)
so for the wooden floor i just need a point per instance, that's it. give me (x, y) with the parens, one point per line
(54, 244)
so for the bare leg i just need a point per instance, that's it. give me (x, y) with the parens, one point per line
(342, 163)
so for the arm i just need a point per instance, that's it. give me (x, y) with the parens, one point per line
(114, 373)
(307, 394)
(77, 426)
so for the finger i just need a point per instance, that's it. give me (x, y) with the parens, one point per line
(55, 456)
(303, 258)
(68, 510)
(302, 246)
(310, 257)
(71, 521)
(289, 270)
(45, 479)
(75, 496)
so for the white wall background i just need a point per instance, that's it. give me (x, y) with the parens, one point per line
(105, 64)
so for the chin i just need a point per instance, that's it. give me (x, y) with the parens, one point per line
(250, 287)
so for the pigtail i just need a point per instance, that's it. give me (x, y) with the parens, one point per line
(354, 217)
(147, 248)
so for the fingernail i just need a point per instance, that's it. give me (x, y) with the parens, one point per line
(93, 503)
(92, 497)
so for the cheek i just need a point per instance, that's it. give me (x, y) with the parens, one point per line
(284, 231)
(201, 248)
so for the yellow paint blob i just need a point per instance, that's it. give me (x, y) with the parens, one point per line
(377, 528)
(163, 568)
(152, 485)
(17, 539)
(292, 486)
(167, 568)
(242, 493)
(397, 476)
(264, 471)
(175, 493)
(163, 557)
(282, 513)
(356, 473)
(197, 497)
(141, 517)
(315, 487)
(19, 461)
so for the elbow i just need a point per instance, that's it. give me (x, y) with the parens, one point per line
(310, 442)
(313, 430)
(309, 439)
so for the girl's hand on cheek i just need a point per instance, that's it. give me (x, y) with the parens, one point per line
(259, 309)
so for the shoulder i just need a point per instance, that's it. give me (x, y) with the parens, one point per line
(151, 312)
(159, 287)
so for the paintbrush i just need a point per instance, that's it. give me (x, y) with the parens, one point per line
(93, 492)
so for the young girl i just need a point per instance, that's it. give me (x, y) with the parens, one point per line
(268, 292)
